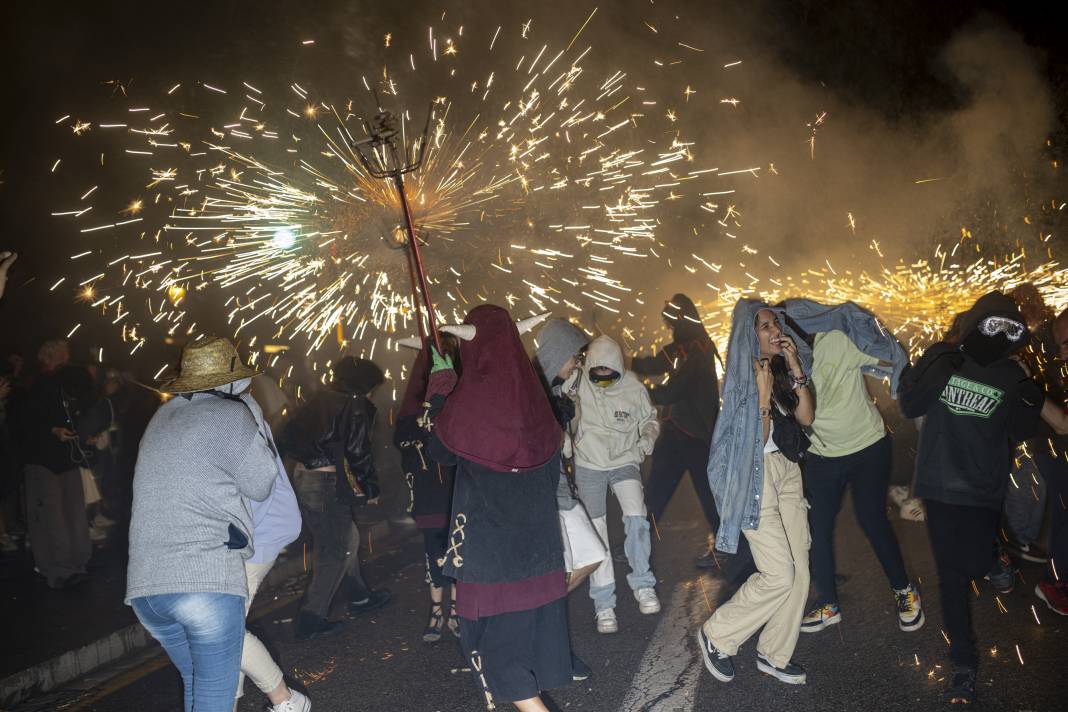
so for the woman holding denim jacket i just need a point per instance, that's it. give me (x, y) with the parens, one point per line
(755, 477)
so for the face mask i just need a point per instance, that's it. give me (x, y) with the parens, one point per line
(986, 349)
(605, 380)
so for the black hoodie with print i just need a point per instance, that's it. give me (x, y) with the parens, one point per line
(977, 409)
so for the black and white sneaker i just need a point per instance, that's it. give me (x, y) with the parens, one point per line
(961, 690)
(791, 674)
(1027, 551)
(717, 662)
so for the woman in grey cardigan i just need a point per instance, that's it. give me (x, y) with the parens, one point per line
(191, 530)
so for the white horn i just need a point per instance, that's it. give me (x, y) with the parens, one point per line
(525, 325)
(411, 342)
(463, 331)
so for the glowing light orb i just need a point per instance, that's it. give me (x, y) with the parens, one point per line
(283, 239)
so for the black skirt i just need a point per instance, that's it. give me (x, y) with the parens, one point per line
(515, 656)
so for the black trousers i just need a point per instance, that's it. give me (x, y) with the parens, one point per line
(963, 542)
(674, 454)
(867, 472)
(335, 542)
(1055, 472)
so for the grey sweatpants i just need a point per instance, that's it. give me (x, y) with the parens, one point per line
(1025, 501)
(59, 529)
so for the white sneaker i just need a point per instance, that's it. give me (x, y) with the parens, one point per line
(606, 621)
(97, 534)
(648, 603)
(296, 703)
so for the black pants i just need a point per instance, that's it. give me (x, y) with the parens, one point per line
(435, 541)
(335, 541)
(676, 452)
(963, 542)
(1055, 472)
(867, 472)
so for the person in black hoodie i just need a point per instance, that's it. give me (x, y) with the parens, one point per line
(978, 402)
(330, 438)
(690, 405)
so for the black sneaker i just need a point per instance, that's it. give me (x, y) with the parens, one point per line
(1027, 552)
(1003, 576)
(717, 662)
(962, 689)
(791, 674)
(372, 601)
(579, 670)
(310, 626)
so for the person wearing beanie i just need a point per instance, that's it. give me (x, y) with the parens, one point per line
(330, 439)
(978, 403)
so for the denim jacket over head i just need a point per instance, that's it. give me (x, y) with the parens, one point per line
(736, 460)
(862, 328)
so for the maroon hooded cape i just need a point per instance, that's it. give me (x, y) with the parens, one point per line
(498, 416)
(412, 404)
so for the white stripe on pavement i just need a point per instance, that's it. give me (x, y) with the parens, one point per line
(667, 677)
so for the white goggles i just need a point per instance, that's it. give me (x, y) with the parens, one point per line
(994, 325)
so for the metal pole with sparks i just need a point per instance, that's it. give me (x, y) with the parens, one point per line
(379, 156)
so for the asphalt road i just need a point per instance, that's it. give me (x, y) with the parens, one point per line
(379, 662)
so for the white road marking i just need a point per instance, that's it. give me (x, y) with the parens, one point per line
(667, 677)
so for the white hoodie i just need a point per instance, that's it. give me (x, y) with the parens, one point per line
(614, 426)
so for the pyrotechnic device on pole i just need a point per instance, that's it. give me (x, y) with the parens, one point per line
(383, 158)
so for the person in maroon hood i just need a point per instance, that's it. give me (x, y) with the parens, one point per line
(505, 550)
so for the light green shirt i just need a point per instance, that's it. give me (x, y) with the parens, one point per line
(847, 420)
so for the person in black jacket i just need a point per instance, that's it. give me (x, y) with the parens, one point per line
(690, 405)
(330, 438)
(978, 402)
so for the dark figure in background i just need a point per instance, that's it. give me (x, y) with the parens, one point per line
(978, 404)
(53, 448)
(690, 404)
(430, 485)
(330, 438)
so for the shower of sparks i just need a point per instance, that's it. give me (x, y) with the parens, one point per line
(272, 217)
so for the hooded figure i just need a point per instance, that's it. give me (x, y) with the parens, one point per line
(736, 459)
(505, 551)
(689, 400)
(979, 403)
(430, 487)
(755, 476)
(614, 430)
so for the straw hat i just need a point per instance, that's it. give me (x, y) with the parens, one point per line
(207, 364)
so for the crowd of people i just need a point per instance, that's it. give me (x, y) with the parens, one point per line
(509, 459)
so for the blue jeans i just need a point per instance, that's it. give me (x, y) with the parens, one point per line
(203, 634)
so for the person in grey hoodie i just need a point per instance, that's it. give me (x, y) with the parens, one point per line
(201, 460)
(616, 427)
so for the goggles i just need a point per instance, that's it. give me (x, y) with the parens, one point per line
(994, 325)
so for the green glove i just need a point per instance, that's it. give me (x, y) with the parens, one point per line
(439, 362)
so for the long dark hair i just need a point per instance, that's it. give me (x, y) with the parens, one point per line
(782, 385)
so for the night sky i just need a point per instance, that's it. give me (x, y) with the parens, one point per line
(879, 66)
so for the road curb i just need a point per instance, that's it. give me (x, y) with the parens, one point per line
(61, 669)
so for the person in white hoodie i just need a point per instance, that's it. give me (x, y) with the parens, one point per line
(614, 430)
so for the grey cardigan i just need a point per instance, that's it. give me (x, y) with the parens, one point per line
(198, 461)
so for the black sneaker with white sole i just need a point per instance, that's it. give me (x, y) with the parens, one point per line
(717, 662)
(961, 690)
(791, 674)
